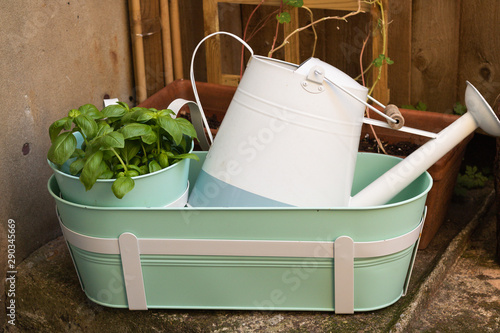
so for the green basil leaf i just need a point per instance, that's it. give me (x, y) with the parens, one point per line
(134, 167)
(188, 155)
(163, 159)
(56, 127)
(130, 116)
(118, 167)
(144, 115)
(73, 113)
(103, 128)
(68, 124)
(78, 153)
(76, 166)
(87, 125)
(144, 169)
(106, 174)
(130, 149)
(134, 130)
(112, 140)
(104, 171)
(171, 126)
(166, 112)
(112, 111)
(91, 170)
(154, 166)
(62, 148)
(125, 105)
(91, 111)
(150, 138)
(186, 127)
(122, 186)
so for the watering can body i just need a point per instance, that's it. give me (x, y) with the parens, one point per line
(289, 138)
(291, 134)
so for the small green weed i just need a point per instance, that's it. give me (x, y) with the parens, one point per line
(421, 106)
(459, 108)
(471, 179)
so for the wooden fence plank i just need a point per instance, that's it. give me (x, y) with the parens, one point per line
(153, 50)
(192, 31)
(435, 48)
(480, 48)
(399, 50)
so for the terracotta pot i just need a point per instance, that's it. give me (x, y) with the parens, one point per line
(215, 100)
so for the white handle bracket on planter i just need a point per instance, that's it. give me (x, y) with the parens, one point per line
(343, 250)
(196, 119)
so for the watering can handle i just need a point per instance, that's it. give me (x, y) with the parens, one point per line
(193, 82)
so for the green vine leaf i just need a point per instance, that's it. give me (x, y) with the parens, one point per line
(294, 3)
(283, 17)
(379, 61)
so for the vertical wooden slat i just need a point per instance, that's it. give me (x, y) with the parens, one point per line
(496, 173)
(399, 50)
(153, 50)
(230, 20)
(435, 50)
(212, 45)
(479, 56)
(192, 31)
(343, 42)
(292, 53)
(176, 36)
(138, 50)
(166, 41)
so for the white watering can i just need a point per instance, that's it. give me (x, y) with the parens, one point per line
(291, 134)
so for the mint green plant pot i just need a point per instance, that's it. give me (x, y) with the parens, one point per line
(158, 189)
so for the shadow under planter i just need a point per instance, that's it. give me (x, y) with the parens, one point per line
(215, 100)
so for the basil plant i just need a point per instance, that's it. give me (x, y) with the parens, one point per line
(119, 143)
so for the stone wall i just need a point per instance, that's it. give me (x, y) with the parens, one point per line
(54, 56)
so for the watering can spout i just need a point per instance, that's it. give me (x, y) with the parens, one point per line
(479, 115)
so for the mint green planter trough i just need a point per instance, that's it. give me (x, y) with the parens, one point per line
(338, 259)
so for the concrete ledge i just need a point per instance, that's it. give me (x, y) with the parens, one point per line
(432, 282)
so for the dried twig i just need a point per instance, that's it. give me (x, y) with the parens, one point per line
(343, 18)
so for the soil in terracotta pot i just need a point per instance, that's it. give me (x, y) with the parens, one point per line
(213, 122)
(402, 148)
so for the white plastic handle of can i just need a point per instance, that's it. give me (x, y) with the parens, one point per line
(193, 82)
